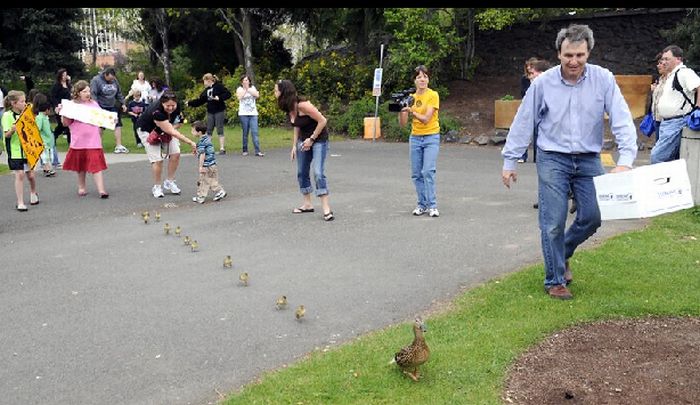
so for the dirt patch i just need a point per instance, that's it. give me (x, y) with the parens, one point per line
(472, 102)
(650, 361)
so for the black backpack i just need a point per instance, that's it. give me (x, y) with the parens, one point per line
(677, 86)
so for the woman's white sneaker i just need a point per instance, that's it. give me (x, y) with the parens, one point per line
(171, 186)
(433, 212)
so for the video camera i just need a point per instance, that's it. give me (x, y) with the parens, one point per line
(401, 99)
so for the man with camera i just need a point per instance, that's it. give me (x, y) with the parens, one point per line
(424, 143)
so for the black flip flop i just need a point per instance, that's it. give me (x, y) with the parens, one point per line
(300, 210)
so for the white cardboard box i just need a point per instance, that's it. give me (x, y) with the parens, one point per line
(645, 191)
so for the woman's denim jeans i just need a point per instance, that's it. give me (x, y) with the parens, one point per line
(424, 151)
(316, 158)
(249, 123)
(557, 174)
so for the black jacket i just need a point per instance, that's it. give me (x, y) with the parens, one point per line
(58, 93)
(213, 106)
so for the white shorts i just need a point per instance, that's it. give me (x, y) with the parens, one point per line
(156, 153)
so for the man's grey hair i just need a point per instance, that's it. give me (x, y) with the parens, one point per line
(575, 33)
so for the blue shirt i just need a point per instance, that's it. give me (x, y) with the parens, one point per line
(205, 146)
(569, 117)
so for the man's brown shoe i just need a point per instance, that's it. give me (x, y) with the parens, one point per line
(568, 276)
(559, 292)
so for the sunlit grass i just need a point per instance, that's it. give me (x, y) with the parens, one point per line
(655, 271)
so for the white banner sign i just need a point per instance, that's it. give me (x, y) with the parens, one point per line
(91, 115)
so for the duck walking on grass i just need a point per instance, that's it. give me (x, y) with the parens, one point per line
(415, 354)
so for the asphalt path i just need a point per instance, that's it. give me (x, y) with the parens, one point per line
(98, 307)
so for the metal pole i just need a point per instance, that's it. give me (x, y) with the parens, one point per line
(376, 104)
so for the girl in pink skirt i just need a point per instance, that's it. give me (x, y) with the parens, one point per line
(85, 153)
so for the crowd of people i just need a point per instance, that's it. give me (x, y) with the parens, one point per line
(561, 115)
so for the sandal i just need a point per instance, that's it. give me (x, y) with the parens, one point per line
(82, 193)
(302, 210)
(104, 195)
(329, 216)
(21, 207)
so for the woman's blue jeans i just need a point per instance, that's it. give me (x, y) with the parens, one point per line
(313, 158)
(558, 173)
(424, 151)
(249, 123)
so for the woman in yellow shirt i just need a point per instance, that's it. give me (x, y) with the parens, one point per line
(424, 143)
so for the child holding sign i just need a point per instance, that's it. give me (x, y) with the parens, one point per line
(15, 103)
(85, 153)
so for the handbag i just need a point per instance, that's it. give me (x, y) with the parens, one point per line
(647, 125)
(154, 138)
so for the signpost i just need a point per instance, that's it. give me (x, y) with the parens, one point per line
(377, 89)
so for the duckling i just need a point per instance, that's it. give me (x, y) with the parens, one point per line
(157, 214)
(300, 312)
(281, 302)
(227, 261)
(415, 354)
(178, 230)
(166, 228)
(145, 218)
(194, 245)
(187, 240)
(144, 213)
(244, 278)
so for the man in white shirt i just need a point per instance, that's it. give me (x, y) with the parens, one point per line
(674, 104)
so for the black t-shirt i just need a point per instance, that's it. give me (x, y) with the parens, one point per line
(147, 121)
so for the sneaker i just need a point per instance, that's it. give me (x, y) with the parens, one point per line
(433, 212)
(259, 154)
(21, 207)
(171, 186)
(33, 199)
(50, 173)
(121, 149)
(199, 200)
(221, 194)
(139, 145)
(419, 211)
(222, 152)
(244, 153)
(157, 191)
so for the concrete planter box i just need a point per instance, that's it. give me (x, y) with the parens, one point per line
(504, 112)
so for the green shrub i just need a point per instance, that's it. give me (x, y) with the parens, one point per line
(448, 123)
(333, 74)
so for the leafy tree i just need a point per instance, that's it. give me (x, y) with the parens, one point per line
(39, 41)
(686, 34)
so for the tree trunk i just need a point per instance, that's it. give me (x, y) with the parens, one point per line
(93, 34)
(247, 43)
(163, 30)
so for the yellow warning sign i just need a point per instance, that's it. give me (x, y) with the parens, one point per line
(29, 136)
(607, 160)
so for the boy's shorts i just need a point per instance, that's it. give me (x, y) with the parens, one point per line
(18, 164)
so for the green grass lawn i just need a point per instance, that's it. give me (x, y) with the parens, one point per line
(655, 271)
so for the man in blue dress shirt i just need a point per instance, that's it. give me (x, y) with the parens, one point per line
(566, 105)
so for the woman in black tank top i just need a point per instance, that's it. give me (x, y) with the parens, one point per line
(309, 145)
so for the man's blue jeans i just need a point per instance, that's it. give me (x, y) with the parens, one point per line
(313, 158)
(668, 144)
(558, 173)
(249, 123)
(424, 151)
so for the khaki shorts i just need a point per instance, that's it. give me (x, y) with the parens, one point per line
(156, 153)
